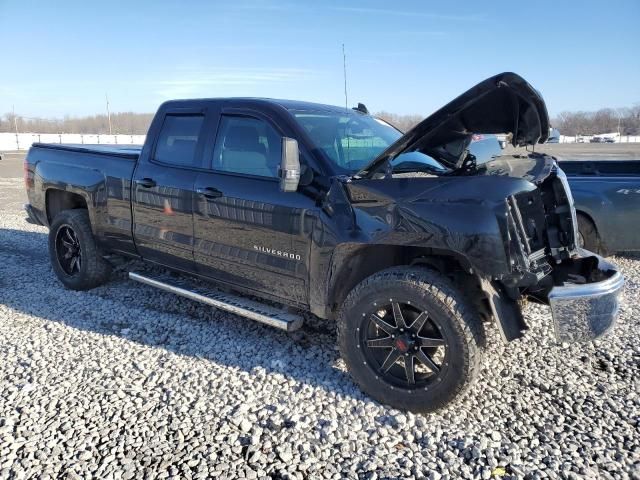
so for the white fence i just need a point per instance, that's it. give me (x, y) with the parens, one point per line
(587, 138)
(22, 141)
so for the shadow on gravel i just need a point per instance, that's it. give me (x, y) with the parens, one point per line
(157, 319)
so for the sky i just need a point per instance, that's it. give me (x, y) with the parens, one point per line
(409, 57)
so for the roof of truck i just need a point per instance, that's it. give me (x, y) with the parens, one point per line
(288, 104)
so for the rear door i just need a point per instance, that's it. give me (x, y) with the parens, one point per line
(163, 184)
(247, 232)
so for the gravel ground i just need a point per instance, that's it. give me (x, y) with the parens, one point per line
(127, 382)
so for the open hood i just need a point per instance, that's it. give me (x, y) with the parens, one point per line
(504, 103)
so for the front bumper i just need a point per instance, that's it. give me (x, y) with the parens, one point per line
(583, 312)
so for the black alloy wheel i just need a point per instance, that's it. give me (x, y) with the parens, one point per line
(68, 250)
(75, 257)
(404, 345)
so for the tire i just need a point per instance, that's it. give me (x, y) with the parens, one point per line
(454, 340)
(588, 237)
(73, 227)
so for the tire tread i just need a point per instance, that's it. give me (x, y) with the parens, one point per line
(441, 289)
(96, 270)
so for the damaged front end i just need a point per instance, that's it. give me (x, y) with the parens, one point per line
(536, 218)
(582, 289)
(541, 224)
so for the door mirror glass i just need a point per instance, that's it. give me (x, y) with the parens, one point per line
(289, 165)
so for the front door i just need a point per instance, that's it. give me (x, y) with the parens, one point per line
(163, 193)
(246, 230)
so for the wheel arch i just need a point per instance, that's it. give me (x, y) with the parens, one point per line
(589, 217)
(57, 200)
(351, 264)
(602, 246)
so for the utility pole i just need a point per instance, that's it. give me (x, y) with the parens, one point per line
(619, 137)
(15, 124)
(344, 68)
(108, 112)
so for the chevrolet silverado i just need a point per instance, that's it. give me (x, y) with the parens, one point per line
(272, 209)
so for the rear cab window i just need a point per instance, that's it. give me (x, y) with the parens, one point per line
(178, 140)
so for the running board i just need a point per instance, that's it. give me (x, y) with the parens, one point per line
(257, 311)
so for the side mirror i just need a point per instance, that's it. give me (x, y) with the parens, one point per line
(289, 171)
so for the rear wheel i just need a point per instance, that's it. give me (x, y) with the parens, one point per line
(410, 339)
(75, 257)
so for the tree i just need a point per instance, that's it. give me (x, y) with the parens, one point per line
(126, 123)
(401, 122)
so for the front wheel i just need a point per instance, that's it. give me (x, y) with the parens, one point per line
(410, 339)
(75, 257)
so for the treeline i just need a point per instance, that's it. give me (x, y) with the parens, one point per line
(127, 123)
(130, 123)
(606, 120)
(401, 122)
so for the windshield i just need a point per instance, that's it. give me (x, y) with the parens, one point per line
(349, 139)
(482, 148)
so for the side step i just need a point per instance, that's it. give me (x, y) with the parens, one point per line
(267, 314)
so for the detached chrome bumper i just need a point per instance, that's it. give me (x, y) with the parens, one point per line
(583, 312)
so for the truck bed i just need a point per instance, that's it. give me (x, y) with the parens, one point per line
(98, 176)
(124, 151)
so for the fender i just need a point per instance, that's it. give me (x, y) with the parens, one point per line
(86, 182)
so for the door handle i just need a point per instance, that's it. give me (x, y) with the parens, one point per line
(209, 192)
(146, 183)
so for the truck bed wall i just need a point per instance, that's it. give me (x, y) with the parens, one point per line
(102, 178)
(600, 167)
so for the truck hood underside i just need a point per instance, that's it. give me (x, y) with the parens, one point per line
(504, 103)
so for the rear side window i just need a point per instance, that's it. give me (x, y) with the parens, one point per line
(248, 146)
(178, 140)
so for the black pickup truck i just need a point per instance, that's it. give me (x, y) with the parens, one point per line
(402, 240)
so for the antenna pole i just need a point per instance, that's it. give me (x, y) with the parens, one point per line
(344, 68)
(108, 113)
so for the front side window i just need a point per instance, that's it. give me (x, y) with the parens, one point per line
(178, 139)
(350, 140)
(248, 146)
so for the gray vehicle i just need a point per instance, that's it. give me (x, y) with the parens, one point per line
(607, 200)
(606, 195)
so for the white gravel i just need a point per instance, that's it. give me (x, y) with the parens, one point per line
(127, 382)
